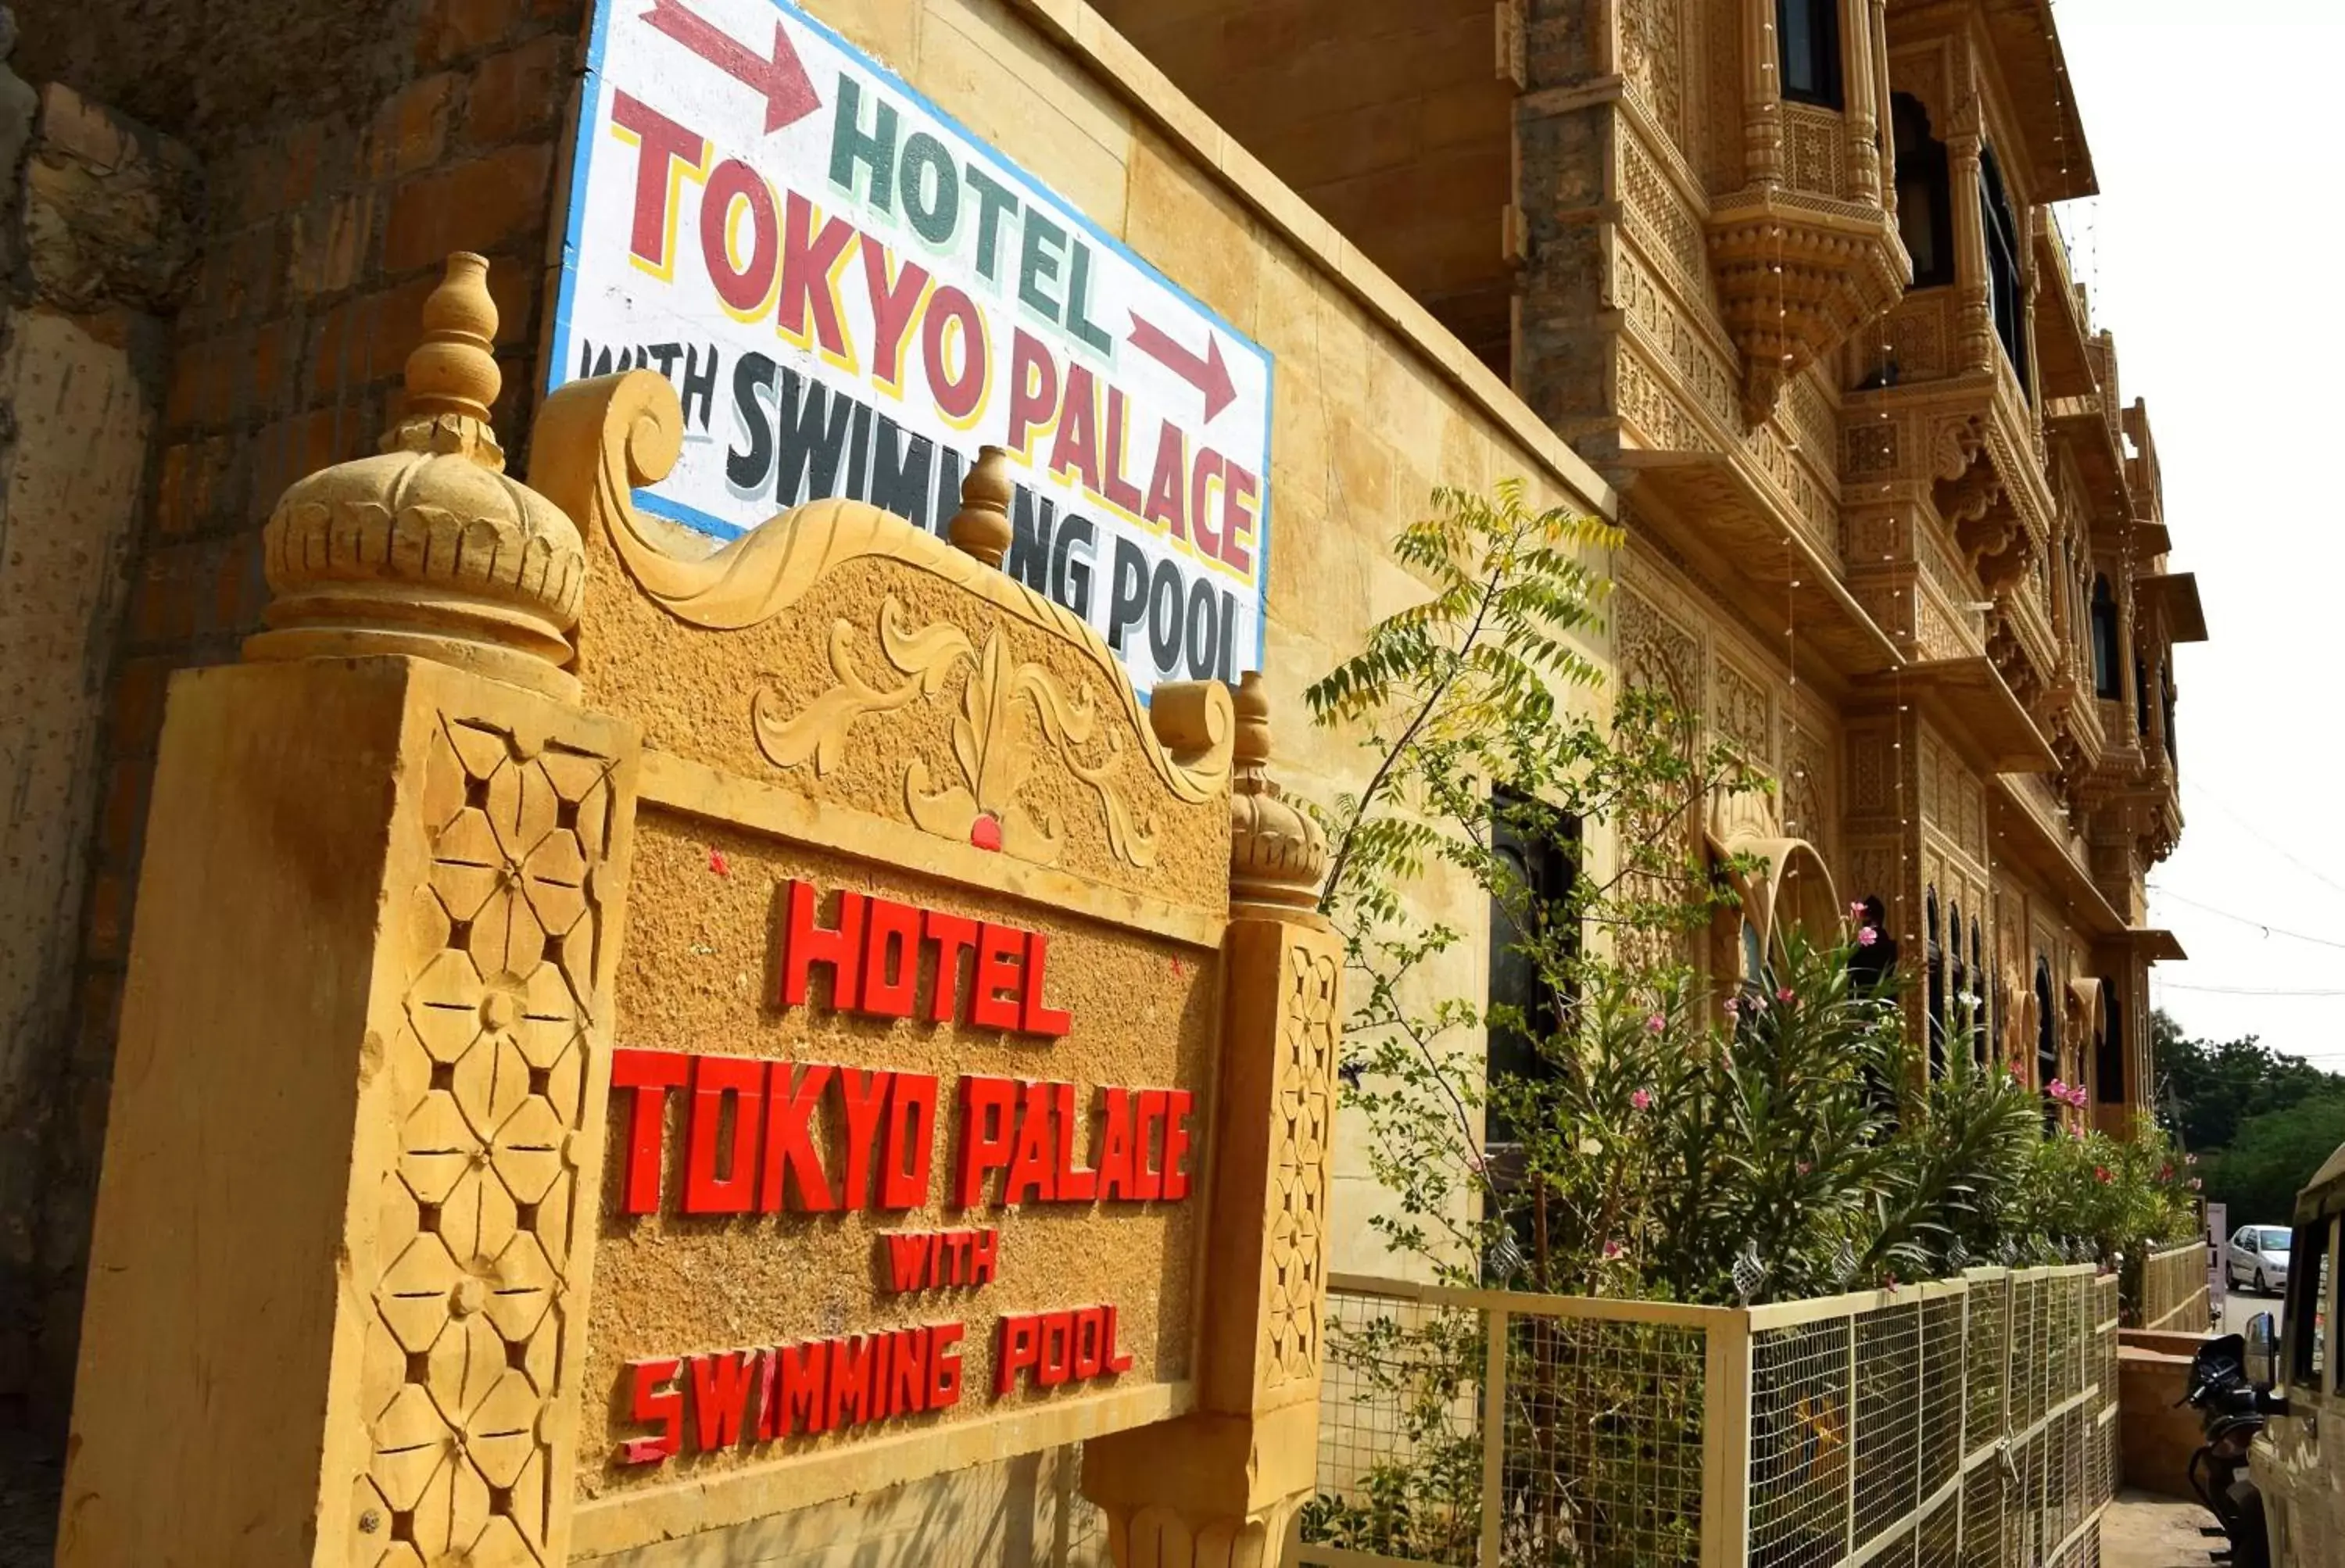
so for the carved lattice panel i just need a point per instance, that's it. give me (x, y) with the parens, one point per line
(465, 1367)
(1305, 1109)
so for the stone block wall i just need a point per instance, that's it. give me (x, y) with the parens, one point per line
(329, 157)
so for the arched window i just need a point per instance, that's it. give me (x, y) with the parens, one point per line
(1542, 851)
(1936, 956)
(1958, 976)
(2141, 698)
(1979, 989)
(2106, 683)
(2047, 1042)
(1807, 42)
(2006, 288)
(2109, 1062)
(1926, 208)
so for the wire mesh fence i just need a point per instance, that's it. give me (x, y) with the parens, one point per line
(1965, 1424)
(2174, 1289)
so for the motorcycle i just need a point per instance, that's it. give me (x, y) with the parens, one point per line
(2231, 1412)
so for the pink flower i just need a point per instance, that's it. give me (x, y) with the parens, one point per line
(716, 862)
(1889, 1283)
(2196, 1183)
(2059, 1090)
(1856, 909)
(2166, 1172)
(1803, 1167)
(2100, 1173)
(1611, 1249)
(1786, 994)
(1733, 1008)
(1758, 1003)
(1642, 1099)
(1656, 1023)
(1867, 937)
(2189, 1159)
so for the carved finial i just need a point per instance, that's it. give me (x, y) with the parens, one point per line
(982, 526)
(429, 549)
(451, 375)
(1277, 852)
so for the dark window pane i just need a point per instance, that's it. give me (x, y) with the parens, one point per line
(1924, 201)
(2108, 1068)
(1807, 37)
(2105, 652)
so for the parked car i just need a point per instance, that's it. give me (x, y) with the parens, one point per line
(2257, 1259)
(2298, 1466)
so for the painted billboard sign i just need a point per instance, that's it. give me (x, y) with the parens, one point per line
(851, 294)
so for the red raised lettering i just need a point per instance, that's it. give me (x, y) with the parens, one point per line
(1021, 1343)
(888, 925)
(954, 935)
(1090, 1343)
(910, 1142)
(805, 944)
(1030, 1165)
(1116, 1362)
(985, 1256)
(1177, 1104)
(851, 1379)
(1115, 1153)
(654, 1401)
(1149, 1118)
(713, 1078)
(944, 1366)
(650, 1074)
(789, 1140)
(720, 1396)
(911, 1259)
(908, 1372)
(987, 1107)
(1038, 1018)
(863, 1097)
(1054, 1358)
(996, 988)
(800, 1402)
(1073, 1185)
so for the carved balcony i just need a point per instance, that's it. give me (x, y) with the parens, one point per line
(1806, 252)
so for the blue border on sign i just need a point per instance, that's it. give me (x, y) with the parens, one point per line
(590, 117)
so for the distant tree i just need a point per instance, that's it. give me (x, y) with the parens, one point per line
(2210, 1089)
(2273, 1155)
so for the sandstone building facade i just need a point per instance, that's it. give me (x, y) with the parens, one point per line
(1775, 282)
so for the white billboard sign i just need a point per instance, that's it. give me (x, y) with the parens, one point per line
(851, 294)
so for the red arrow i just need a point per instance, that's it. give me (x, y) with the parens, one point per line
(788, 91)
(1206, 372)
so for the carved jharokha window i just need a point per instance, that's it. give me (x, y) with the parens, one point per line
(1925, 210)
(2105, 654)
(2141, 698)
(2007, 290)
(2166, 688)
(1807, 40)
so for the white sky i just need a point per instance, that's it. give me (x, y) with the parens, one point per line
(2213, 254)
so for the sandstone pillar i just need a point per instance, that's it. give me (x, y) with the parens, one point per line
(335, 1313)
(1220, 1486)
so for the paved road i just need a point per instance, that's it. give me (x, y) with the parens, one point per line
(2239, 1306)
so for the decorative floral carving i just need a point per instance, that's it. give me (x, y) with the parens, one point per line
(464, 1363)
(1004, 703)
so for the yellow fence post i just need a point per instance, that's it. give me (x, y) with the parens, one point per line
(1493, 1436)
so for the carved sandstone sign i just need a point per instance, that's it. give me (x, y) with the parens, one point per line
(851, 294)
(763, 1027)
